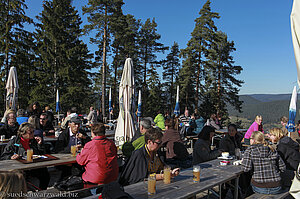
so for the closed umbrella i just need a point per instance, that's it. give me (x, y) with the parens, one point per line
(57, 105)
(295, 26)
(176, 110)
(139, 112)
(12, 87)
(125, 126)
(292, 112)
(109, 104)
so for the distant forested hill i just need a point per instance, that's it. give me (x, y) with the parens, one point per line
(270, 106)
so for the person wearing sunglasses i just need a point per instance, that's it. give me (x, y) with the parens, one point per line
(145, 160)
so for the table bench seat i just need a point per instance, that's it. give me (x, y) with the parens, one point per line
(285, 194)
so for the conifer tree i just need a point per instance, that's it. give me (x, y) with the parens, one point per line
(170, 73)
(15, 44)
(63, 58)
(195, 55)
(100, 18)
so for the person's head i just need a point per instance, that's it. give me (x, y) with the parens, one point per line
(153, 139)
(232, 130)
(36, 106)
(186, 112)
(47, 108)
(258, 119)
(11, 118)
(257, 137)
(207, 133)
(213, 116)
(12, 182)
(276, 134)
(145, 125)
(284, 120)
(91, 108)
(43, 119)
(169, 123)
(73, 109)
(74, 124)
(34, 121)
(21, 113)
(26, 131)
(97, 129)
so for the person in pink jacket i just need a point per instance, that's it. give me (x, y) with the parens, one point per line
(99, 157)
(255, 126)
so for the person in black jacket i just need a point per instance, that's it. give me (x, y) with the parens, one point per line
(145, 160)
(232, 140)
(288, 150)
(71, 136)
(17, 148)
(10, 128)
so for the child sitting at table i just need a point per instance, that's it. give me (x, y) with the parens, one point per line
(265, 163)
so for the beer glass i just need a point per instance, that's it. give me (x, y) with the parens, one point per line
(151, 184)
(196, 173)
(29, 155)
(73, 150)
(167, 175)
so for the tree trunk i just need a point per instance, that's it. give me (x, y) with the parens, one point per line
(104, 64)
(219, 89)
(197, 83)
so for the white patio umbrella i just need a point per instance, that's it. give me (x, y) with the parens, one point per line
(177, 110)
(12, 87)
(109, 104)
(139, 112)
(57, 105)
(125, 126)
(295, 26)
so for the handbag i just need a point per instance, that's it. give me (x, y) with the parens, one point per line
(70, 184)
(295, 187)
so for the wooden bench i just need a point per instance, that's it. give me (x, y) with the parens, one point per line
(285, 194)
(55, 193)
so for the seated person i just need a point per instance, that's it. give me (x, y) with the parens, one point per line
(283, 121)
(138, 140)
(231, 140)
(71, 136)
(21, 116)
(10, 128)
(12, 182)
(17, 148)
(145, 160)
(265, 163)
(99, 157)
(160, 121)
(202, 151)
(288, 151)
(255, 126)
(176, 151)
(45, 125)
(196, 125)
(213, 121)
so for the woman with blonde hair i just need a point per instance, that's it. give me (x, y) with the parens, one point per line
(17, 148)
(265, 163)
(255, 126)
(12, 185)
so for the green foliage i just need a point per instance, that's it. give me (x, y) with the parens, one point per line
(63, 60)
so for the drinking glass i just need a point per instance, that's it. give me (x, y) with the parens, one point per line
(167, 174)
(29, 155)
(152, 184)
(196, 173)
(237, 153)
(73, 150)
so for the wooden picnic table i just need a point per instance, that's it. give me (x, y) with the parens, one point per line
(13, 165)
(224, 131)
(212, 174)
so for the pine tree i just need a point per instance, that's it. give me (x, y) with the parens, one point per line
(63, 59)
(170, 73)
(222, 72)
(100, 16)
(196, 52)
(15, 43)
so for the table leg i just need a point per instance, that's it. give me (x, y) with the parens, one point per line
(236, 188)
(220, 191)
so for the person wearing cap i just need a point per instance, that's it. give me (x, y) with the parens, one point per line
(71, 136)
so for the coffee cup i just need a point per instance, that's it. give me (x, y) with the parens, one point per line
(225, 154)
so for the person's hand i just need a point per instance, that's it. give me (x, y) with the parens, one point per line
(38, 139)
(175, 172)
(78, 147)
(44, 133)
(80, 135)
(14, 157)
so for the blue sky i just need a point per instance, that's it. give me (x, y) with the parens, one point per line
(260, 29)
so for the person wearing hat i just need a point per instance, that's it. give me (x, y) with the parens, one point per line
(71, 136)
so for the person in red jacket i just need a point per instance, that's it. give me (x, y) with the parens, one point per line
(99, 157)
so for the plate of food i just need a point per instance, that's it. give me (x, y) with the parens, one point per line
(35, 157)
